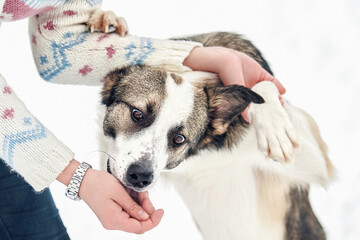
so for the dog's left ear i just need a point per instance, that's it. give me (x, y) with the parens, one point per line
(226, 103)
(107, 90)
(110, 83)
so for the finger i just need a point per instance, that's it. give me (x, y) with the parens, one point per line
(267, 76)
(244, 114)
(132, 225)
(146, 203)
(125, 223)
(129, 205)
(281, 100)
(279, 86)
(154, 220)
(233, 74)
(229, 78)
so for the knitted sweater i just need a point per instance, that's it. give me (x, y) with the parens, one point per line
(64, 52)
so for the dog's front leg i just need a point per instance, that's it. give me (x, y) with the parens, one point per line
(275, 133)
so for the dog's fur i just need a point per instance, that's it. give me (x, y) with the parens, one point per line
(232, 189)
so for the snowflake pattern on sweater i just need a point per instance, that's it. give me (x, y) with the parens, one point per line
(26, 145)
(57, 60)
(11, 141)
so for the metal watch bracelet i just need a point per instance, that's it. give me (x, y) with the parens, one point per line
(72, 190)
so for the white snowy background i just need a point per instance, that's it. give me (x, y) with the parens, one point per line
(313, 48)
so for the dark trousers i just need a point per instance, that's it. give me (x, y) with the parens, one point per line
(24, 214)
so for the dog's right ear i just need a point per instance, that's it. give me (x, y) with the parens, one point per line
(226, 103)
(111, 82)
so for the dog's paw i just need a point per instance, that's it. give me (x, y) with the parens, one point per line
(105, 20)
(275, 133)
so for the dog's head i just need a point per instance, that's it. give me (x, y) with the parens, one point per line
(155, 120)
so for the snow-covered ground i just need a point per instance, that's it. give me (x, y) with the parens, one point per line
(313, 47)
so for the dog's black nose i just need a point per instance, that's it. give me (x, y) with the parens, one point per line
(139, 176)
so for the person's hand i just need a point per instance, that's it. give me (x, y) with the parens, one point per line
(111, 203)
(233, 67)
(114, 207)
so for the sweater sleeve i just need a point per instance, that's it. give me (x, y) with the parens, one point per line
(65, 52)
(26, 145)
(12, 10)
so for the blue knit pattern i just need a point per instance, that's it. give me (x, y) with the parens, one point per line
(42, 3)
(59, 61)
(137, 56)
(11, 141)
(93, 2)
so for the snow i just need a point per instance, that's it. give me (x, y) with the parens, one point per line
(313, 48)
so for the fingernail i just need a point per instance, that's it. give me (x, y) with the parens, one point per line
(161, 212)
(143, 214)
(146, 194)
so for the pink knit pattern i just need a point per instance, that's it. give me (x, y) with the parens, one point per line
(17, 9)
(8, 113)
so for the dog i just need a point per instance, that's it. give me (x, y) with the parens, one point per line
(188, 128)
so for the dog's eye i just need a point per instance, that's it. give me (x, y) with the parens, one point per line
(137, 115)
(178, 139)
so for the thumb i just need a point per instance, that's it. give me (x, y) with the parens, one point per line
(130, 206)
(279, 86)
(244, 114)
(265, 76)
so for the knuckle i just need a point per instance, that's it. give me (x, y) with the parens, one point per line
(132, 207)
(230, 58)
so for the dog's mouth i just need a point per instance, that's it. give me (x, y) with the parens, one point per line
(133, 194)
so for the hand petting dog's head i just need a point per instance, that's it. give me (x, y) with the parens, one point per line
(155, 119)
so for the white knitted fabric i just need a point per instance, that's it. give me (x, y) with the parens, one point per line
(26, 145)
(65, 52)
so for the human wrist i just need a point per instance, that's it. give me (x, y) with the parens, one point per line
(65, 176)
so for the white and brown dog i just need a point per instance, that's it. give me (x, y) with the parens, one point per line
(240, 181)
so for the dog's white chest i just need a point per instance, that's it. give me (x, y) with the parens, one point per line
(219, 188)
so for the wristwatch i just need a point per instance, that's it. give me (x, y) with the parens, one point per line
(72, 190)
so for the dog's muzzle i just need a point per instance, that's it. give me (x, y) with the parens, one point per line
(134, 195)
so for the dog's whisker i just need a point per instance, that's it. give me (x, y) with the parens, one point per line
(104, 153)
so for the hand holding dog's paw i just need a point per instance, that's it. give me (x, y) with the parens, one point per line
(275, 133)
(103, 20)
(114, 207)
